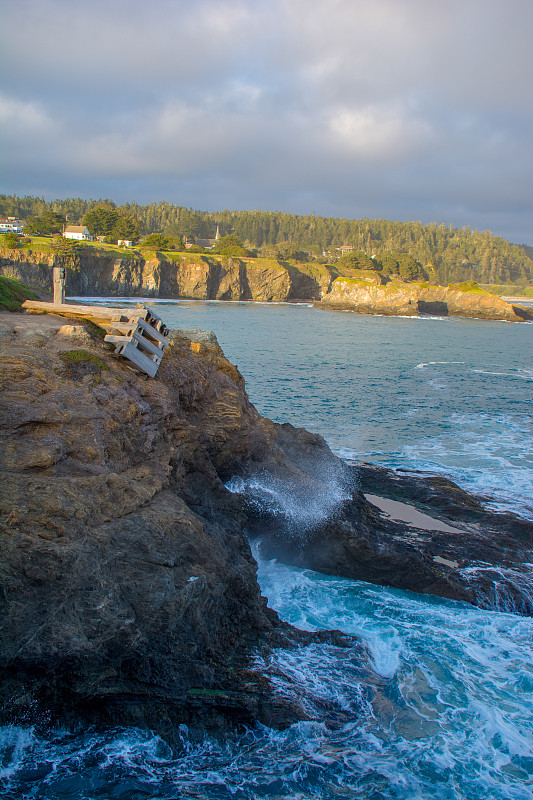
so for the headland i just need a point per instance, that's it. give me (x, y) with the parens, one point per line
(129, 591)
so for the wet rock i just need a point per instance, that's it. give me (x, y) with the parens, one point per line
(459, 549)
(129, 592)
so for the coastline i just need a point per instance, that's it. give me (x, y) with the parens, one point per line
(90, 274)
(116, 497)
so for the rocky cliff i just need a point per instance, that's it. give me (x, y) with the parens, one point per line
(206, 277)
(410, 299)
(180, 275)
(129, 592)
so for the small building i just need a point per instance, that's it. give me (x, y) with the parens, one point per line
(79, 232)
(207, 244)
(125, 243)
(11, 225)
(345, 248)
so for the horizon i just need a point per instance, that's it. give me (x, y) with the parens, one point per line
(410, 112)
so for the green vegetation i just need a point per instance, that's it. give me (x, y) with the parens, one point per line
(114, 224)
(440, 253)
(79, 363)
(230, 245)
(401, 264)
(157, 241)
(466, 286)
(357, 260)
(13, 294)
(65, 247)
(506, 290)
(75, 356)
(48, 223)
(11, 240)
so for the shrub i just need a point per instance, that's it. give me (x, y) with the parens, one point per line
(11, 239)
(13, 294)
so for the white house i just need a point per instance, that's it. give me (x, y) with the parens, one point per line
(125, 243)
(79, 232)
(12, 225)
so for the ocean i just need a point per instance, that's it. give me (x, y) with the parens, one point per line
(446, 708)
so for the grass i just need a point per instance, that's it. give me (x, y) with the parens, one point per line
(13, 294)
(79, 356)
(80, 363)
(508, 289)
(466, 286)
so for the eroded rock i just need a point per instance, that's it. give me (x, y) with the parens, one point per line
(129, 592)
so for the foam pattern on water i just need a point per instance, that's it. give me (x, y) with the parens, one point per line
(442, 708)
(490, 455)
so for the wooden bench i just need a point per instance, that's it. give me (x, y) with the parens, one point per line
(138, 335)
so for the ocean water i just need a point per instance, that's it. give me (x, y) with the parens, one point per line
(443, 706)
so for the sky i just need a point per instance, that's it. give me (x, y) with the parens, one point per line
(399, 109)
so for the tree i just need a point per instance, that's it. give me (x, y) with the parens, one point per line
(286, 250)
(388, 263)
(11, 239)
(125, 228)
(100, 221)
(357, 260)
(230, 245)
(157, 241)
(410, 268)
(48, 223)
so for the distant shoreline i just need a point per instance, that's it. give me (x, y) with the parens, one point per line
(525, 300)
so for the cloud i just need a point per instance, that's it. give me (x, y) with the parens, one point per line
(359, 107)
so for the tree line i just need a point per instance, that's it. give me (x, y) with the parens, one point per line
(447, 254)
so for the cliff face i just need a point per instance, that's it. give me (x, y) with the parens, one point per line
(456, 303)
(200, 278)
(129, 593)
(369, 298)
(264, 280)
(128, 589)
(408, 299)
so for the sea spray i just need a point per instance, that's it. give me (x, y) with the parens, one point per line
(293, 505)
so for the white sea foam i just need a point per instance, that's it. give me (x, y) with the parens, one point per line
(434, 363)
(524, 374)
(15, 743)
(487, 455)
(300, 504)
(448, 714)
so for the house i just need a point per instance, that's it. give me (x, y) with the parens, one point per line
(12, 225)
(345, 248)
(79, 232)
(125, 243)
(207, 244)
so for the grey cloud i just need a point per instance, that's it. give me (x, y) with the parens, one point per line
(357, 107)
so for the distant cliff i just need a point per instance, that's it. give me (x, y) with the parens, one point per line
(411, 299)
(92, 272)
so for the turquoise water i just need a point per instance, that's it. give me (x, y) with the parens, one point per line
(443, 706)
(445, 395)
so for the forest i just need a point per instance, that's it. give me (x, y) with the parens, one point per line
(447, 254)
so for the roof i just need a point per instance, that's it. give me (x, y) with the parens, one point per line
(75, 228)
